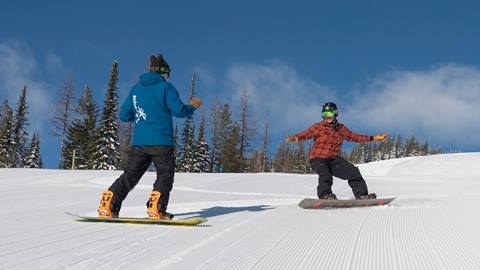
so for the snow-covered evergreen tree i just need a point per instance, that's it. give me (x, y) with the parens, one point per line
(186, 149)
(70, 150)
(411, 147)
(283, 159)
(6, 137)
(19, 132)
(396, 146)
(215, 119)
(299, 158)
(202, 153)
(81, 134)
(423, 151)
(107, 154)
(33, 158)
(265, 160)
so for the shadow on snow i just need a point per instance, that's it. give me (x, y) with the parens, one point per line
(220, 210)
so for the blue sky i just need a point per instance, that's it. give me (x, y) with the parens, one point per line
(405, 67)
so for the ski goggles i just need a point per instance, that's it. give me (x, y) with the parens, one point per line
(329, 114)
(164, 70)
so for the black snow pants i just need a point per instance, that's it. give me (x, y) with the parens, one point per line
(139, 160)
(338, 167)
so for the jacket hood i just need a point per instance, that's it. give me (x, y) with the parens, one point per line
(151, 78)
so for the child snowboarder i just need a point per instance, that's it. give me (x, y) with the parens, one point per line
(328, 137)
(150, 105)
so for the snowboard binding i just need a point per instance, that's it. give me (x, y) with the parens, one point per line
(104, 210)
(153, 212)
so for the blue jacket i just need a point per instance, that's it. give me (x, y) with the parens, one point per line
(150, 105)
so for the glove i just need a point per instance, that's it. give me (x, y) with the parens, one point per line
(291, 139)
(196, 102)
(380, 137)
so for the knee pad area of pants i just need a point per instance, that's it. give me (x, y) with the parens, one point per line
(354, 173)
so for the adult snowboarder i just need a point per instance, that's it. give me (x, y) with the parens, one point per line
(150, 104)
(324, 156)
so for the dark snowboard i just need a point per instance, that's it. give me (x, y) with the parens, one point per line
(316, 203)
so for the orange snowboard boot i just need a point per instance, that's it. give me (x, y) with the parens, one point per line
(153, 211)
(104, 210)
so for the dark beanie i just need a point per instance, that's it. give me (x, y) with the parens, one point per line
(158, 64)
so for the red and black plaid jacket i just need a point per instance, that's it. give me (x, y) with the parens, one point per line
(328, 138)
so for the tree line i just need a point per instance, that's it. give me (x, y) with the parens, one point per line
(88, 139)
(17, 150)
(223, 142)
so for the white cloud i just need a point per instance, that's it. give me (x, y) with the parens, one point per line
(18, 68)
(294, 102)
(53, 63)
(440, 105)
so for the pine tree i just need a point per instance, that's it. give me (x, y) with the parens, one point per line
(186, 153)
(411, 147)
(423, 151)
(263, 158)
(19, 132)
(202, 153)
(33, 158)
(395, 150)
(283, 159)
(81, 134)
(228, 139)
(247, 133)
(6, 137)
(62, 113)
(186, 149)
(215, 121)
(89, 112)
(71, 150)
(299, 157)
(107, 143)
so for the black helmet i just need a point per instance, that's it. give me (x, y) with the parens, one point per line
(329, 106)
(329, 109)
(159, 64)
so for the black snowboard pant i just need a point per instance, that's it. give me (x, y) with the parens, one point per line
(326, 168)
(139, 160)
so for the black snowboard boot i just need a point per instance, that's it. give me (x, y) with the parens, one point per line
(328, 196)
(371, 196)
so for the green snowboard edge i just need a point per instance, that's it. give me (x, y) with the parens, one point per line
(131, 220)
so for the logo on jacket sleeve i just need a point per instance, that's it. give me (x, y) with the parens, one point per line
(139, 112)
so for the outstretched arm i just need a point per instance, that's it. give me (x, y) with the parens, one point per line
(355, 137)
(309, 133)
(176, 105)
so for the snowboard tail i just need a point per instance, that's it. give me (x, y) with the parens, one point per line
(309, 203)
(132, 220)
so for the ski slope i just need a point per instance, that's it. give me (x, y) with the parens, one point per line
(254, 221)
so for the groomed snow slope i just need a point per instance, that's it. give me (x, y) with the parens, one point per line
(254, 221)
